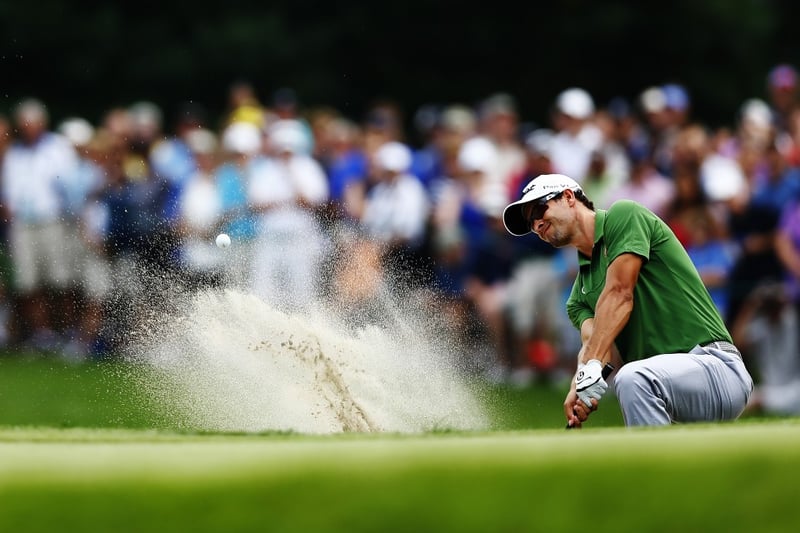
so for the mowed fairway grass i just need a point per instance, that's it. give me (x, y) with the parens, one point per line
(104, 467)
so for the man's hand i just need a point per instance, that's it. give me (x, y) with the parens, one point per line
(589, 383)
(575, 411)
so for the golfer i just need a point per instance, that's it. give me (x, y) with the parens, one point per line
(636, 293)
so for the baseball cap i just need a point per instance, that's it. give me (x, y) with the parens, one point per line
(540, 141)
(242, 138)
(653, 100)
(575, 102)
(783, 76)
(201, 141)
(477, 154)
(287, 135)
(394, 156)
(756, 112)
(676, 96)
(78, 130)
(538, 187)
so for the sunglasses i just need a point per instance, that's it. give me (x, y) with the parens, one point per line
(539, 207)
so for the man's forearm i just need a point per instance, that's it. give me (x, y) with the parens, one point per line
(611, 314)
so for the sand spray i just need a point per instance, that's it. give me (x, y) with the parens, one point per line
(224, 359)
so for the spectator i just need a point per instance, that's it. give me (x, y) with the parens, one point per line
(357, 283)
(787, 248)
(201, 215)
(347, 169)
(660, 130)
(456, 220)
(286, 106)
(576, 135)
(241, 145)
(790, 143)
(33, 167)
(499, 124)
(755, 212)
(76, 190)
(752, 227)
(767, 331)
(713, 255)
(383, 123)
(428, 158)
(6, 328)
(646, 186)
(677, 104)
(159, 193)
(96, 332)
(618, 127)
(243, 105)
(676, 115)
(435, 163)
(538, 148)
(396, 212)
(598, 182)
(320, 121)
(462, 241)
(123, 213)
(286, 189)
(782, 94)
(171, 157)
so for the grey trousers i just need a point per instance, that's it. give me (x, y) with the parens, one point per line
(704, 385)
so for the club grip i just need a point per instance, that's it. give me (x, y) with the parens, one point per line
(607, 370)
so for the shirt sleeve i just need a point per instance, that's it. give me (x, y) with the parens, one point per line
(628, 229)
(578, 309)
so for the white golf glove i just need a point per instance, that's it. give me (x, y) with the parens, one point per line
(589, 382)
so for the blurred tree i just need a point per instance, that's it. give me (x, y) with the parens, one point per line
(84, 58)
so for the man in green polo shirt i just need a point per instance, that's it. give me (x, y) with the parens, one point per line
(638, 292)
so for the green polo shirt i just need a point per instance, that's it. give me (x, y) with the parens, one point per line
(672, 310)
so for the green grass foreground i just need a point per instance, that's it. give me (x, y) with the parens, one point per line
(104, 464)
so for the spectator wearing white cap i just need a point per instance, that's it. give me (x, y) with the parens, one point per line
(576, 135)
(754, 131)
(456, 216)
(653, 106)
(76, 189)
(396, 208)
(286, 189)
(201, 214)
(241, 145)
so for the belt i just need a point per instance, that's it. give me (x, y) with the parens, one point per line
(725, 346)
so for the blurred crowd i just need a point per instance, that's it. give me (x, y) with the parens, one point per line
(100, 217)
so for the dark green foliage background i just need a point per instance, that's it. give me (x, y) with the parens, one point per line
(81, 59)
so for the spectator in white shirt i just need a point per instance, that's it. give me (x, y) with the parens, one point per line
(32, 169)
(396, 209)
(287, 188)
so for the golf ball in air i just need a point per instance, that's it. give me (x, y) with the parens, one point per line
(223, 240)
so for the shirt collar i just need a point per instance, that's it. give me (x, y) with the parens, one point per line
(599, 225)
